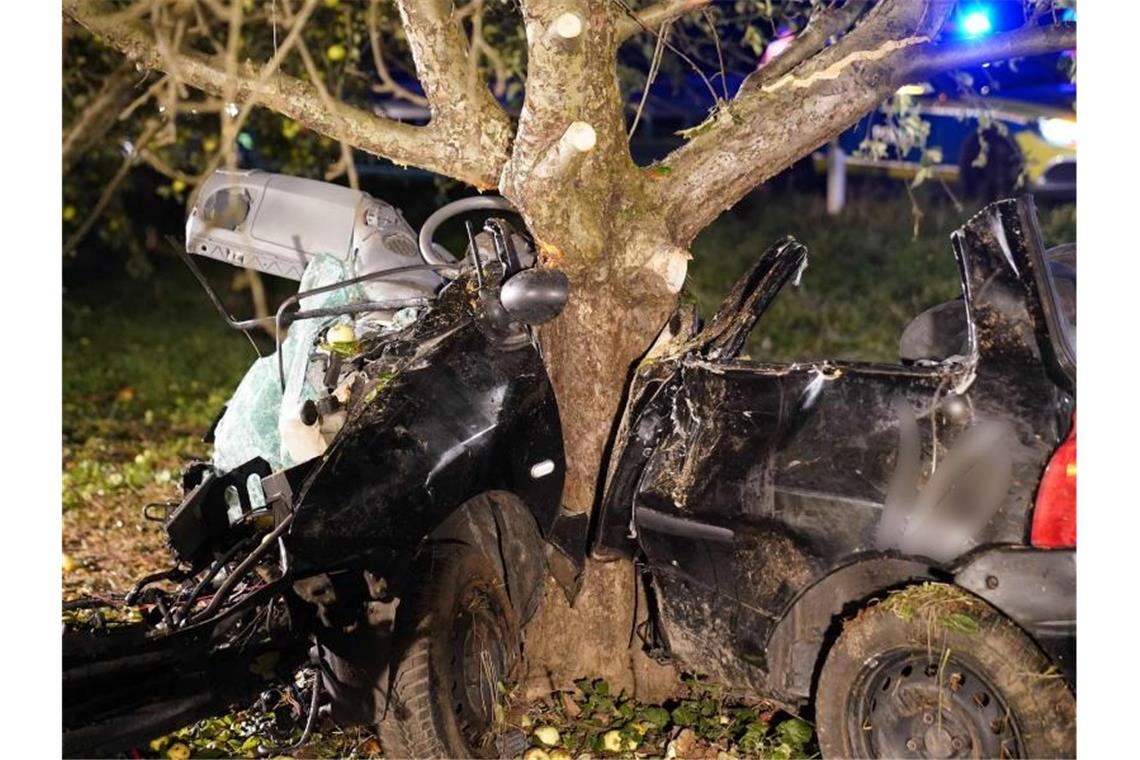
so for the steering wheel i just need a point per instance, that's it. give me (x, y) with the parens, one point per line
(429, 249)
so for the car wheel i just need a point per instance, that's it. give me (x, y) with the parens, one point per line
(997, 177)
(458, 645)
(934, 672)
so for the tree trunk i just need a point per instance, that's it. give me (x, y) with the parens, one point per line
(613, 316)
(593, 214)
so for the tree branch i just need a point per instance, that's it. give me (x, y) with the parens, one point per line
(387, 81)
(97, 118)
(448, 146)
(771, 124)
(129, 160)
(346, 160)
(824, 25)
(651, 17)
(1026, 41)
(442, 53)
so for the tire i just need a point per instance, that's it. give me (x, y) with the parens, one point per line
(457, 645)
(998, 178)
(934, 672)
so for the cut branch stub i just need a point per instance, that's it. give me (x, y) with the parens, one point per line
(567, 26)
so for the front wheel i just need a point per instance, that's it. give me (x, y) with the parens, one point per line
(933, 672)
(458, 645)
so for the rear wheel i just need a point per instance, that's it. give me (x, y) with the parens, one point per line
(457, 648)
(936, 673)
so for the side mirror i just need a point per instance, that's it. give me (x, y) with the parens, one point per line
(535, 296)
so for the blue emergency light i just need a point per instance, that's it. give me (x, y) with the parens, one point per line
(977, 23)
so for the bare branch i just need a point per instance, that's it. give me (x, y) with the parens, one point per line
(654, 66)
(442, 53)
(149, 93)
(824, 25)
(653, 16)
(498, 65)
(448, 148)
(230, 124)
(387, 82)
(346, 161)
(476, 41)
(112, 187)
(89, 126)
(160, 165)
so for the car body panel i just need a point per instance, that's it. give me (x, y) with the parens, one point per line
(439, 412)
(463, 414)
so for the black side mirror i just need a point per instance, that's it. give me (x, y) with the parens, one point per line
(535, 296)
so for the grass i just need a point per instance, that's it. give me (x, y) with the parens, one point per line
(148, 364)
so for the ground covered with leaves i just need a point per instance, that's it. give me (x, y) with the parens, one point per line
(148, 364)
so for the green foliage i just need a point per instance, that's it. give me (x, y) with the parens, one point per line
(243, 732)
(704, 720)
(903, 137)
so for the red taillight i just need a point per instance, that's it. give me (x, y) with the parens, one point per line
(1055, 514)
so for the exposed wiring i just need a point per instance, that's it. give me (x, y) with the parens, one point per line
(239, 572)
(310, 722)
(188, 605)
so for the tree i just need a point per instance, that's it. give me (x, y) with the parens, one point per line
(618, 230)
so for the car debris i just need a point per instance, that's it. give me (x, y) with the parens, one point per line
(402, 449)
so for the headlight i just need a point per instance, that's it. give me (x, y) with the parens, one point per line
(1061, 133)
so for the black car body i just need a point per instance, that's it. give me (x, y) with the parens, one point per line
(769, 501)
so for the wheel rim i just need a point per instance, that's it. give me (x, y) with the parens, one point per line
(480, 663)
(914, 704)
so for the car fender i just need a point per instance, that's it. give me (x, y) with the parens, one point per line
(798, 642)
(467, 417)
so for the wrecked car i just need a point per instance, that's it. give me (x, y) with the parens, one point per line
(403, 443)
(891, 544)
